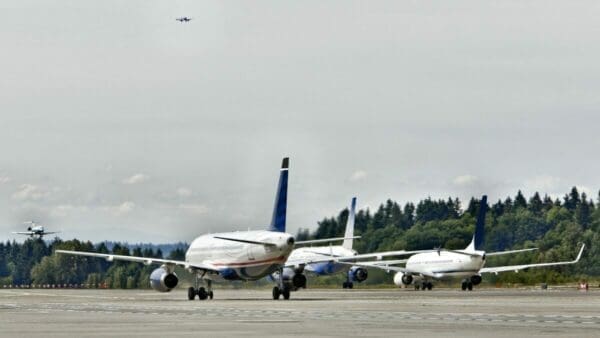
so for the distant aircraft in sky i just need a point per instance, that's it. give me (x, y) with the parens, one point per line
(184, 19)
(34, 230)
(241, 255)
(442, 264)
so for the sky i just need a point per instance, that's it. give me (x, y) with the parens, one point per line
(118, 122)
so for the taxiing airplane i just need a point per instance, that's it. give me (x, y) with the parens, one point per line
(34, 230)
(442, 264)
(332, 259)
(244, 255)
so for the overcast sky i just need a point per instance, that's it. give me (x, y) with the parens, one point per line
(118, 122)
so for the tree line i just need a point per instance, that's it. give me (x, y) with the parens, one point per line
(555, 226)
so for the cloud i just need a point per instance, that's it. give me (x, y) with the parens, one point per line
(194, 208)
(121, 209)
(543, 183)
(4, 179)
(29, 192)
(358, 175)
(464, 180)
(184, 192)
(137, 178)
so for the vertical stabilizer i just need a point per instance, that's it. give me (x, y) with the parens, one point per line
(280, 208)
(477, 242)
(350, 226)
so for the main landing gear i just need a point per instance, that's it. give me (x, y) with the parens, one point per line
(347, 285)
(466, 285)
(423, 286)
(203, 293)
(282, 288)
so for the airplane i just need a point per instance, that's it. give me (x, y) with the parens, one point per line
(184, 19)
(230, 256)
(332, 259)
(35, 230)
(443, 264)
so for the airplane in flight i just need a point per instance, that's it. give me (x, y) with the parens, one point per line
(184, 19)
(34, 230)
(230, 256)
(443, 264)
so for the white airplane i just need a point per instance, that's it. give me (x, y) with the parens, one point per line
(247, 255)
(35, 230)
(442, 264)
(332, 259)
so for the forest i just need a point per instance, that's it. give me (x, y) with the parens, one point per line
(557, 227)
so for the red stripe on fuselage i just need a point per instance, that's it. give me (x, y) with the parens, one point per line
(277, 259)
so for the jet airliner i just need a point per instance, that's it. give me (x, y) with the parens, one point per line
(35, 230)
(442, 264)
(244, 255)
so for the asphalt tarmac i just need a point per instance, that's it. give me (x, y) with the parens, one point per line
(310, 313)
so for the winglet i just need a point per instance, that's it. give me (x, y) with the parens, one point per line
(280, 208)
(347, 244)
(579, 254)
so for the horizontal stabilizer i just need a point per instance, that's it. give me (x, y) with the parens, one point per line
(245, 241)
(325, 240)
(499, 253)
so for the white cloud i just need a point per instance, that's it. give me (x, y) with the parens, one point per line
(135, 179)
(543, 183)
(358, 175)
(121, 209)
(29, 192)
(184, 192)
(4, 179)
(194, 208)
(464, 180)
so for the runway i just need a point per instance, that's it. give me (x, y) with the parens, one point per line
(315, 313)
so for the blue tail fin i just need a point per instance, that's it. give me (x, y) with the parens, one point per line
(477, 242)
(280, 208)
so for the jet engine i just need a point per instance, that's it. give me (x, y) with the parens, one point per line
(402, 279)
(358, 274)
(163, 281)
(476, 279)
(295, 277)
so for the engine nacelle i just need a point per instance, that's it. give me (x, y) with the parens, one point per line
(476, 280)
(295, 277)
(163, 281)
(402, 279)
(358, 274)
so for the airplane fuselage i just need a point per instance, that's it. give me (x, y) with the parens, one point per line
(445, 265)
(318, 253)
(241, 261)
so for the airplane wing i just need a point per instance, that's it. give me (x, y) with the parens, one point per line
(376, 256)
(516, 268)
(50, 232)
(23, 232)
(508, 252)
(382, 265)
(144, 260)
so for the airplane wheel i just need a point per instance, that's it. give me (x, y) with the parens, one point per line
(350, 285)
(470, 286)
(344, 285)
(202, 294)
(210, 294)
(424, 286)
(191, 293)
(286, 293)
(276, 293)
(429, 286)
(463, 286)
(417, 287)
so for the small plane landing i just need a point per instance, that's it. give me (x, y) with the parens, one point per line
(184, 19)
(34, 230)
